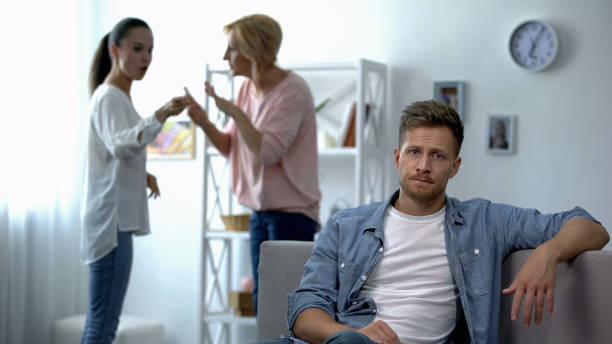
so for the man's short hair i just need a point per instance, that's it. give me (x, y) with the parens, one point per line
(431, 114)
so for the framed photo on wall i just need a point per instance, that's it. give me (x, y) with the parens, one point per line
(175, 141)
(501, 134)
(451, 93)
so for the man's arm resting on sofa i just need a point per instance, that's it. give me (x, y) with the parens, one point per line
(314, 325)
(536, 279)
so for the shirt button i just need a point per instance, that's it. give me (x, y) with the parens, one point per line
(380, 249)
(363, 278)
(374, 311)
(342, 266)
(354, 302)
(476, 251)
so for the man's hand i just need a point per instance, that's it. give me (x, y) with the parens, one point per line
(535, 280)
(380, 332)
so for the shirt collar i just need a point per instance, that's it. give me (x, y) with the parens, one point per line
(375, 221)
(451, 208)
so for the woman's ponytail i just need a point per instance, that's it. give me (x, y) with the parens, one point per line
(100, 66)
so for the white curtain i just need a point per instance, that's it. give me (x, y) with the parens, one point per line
(42, 141)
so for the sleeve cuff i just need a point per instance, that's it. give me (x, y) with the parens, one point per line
(150, 129)
(581, 212)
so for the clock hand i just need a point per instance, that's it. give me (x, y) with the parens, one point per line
(533, 42)
(531, 50)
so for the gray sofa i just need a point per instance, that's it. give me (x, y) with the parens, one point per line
(583, 296)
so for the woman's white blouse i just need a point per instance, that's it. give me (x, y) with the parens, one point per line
(115, 188)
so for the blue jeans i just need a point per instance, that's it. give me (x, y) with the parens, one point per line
(276, 225)
(349, 337)
(108, 281)
(342, 337)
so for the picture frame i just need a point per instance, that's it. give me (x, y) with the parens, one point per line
(501, 134)
(451, 93)
(175, 141)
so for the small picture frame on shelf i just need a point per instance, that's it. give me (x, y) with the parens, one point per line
(501, 134)
(175, 141)
(451, 93)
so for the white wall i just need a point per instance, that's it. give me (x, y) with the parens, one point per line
(563, 153)
(562, 142)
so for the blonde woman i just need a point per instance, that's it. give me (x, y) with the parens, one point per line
(270, 140)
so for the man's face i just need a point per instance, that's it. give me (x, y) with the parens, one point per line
(425, 162)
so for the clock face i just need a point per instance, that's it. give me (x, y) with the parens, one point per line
(534, 45)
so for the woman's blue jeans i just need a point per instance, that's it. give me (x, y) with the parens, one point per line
(108, 282)
(276, 225)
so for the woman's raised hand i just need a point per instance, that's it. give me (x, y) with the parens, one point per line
(210, 90)
(222, 103)
(195, 111)
(171, 108)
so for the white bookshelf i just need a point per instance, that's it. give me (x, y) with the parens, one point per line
(354, 175)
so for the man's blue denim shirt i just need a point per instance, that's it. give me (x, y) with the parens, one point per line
(478, 234)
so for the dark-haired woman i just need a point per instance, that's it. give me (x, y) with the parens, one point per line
(115, 205)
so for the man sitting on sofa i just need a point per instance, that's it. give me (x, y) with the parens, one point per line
(426, 268)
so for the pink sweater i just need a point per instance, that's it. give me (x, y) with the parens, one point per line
(284, 176)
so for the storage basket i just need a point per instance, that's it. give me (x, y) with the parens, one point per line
(236, 223)
(241, 302)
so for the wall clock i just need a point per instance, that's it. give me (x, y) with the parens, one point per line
(534, 45)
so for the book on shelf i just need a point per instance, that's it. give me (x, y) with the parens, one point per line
(348, 130)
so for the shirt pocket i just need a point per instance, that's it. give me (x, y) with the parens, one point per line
(348, 274)
(474, 264)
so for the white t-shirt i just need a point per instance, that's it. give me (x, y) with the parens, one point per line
(115, 188)
(412, 284)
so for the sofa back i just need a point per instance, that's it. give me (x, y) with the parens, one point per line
(583, 296)
(281, 266)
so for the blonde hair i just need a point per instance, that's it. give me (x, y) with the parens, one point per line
(258, 38)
